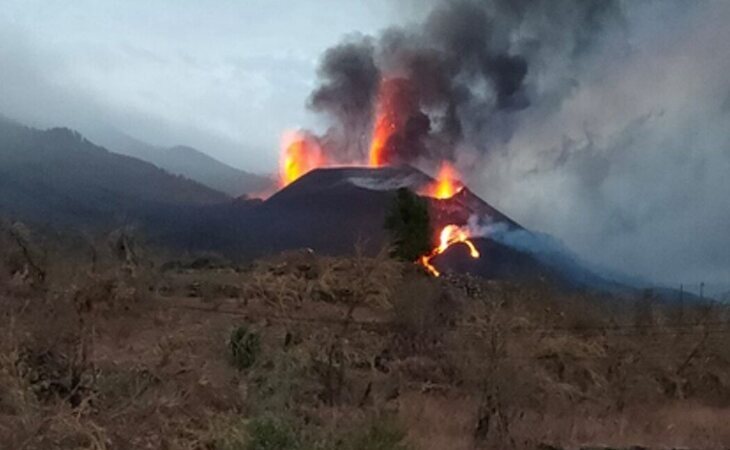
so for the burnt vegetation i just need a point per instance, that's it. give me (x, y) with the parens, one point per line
(121, 346)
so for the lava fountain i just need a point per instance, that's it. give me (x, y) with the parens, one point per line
(395, 110)
(446, 185)
(300, 154)
(384, 127)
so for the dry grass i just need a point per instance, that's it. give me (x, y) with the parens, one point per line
(116, 353)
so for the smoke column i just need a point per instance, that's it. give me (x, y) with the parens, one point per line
(461, 79)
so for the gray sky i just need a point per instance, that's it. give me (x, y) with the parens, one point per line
(630, 166)
(226, 76)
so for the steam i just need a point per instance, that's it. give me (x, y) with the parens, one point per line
(549, 250)
(517, 238)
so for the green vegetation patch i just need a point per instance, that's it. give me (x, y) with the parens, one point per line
(245, 347)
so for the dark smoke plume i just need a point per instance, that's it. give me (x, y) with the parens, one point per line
(467, 72)
(348, 87)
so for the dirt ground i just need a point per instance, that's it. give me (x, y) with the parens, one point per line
(305, 351)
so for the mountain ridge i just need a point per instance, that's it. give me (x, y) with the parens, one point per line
(186, 161)
(58, 176)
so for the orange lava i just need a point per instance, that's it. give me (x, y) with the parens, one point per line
(384, 126)
(300, 154)
(450, 235)
(396, 103)
(447, 183)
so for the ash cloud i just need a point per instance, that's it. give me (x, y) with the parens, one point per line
(467, 71)
(626, 166)
(349, 85)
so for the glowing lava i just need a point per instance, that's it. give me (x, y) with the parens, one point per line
(397, 106)
(384, 126)
(450, 235)
(300, 154)
(447, 183)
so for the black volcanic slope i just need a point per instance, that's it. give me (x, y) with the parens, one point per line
(328, 210)
(331, 210)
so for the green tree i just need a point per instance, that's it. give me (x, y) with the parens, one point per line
(409, 225)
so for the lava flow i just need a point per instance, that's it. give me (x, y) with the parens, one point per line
(300, 154)
(450, 235)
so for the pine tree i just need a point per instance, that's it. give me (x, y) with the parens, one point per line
(409, 226)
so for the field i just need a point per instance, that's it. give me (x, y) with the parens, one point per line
(114, 346)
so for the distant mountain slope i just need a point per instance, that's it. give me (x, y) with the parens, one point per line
(186, 161)
(58, 176)
(200, 167)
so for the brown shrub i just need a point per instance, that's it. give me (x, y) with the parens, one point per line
(422, 312)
